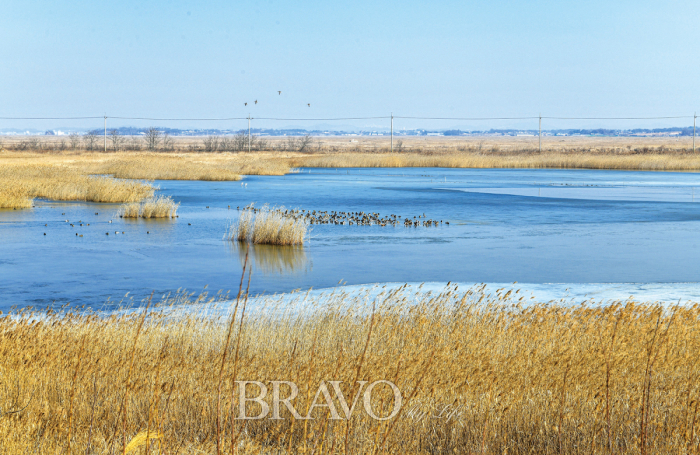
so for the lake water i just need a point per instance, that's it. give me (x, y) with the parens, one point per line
(602, 233)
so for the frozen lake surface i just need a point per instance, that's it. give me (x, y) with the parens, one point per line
(607, 233)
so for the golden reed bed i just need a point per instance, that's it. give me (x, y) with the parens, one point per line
(105, 177)
(477, 373)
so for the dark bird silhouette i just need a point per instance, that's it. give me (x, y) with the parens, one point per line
(309, 104)
(279, 91)
(245, 104)
(256, 101)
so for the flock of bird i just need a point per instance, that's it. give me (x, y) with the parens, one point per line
(353, 218)
(326, 217)
(279, 92)
(80, 223)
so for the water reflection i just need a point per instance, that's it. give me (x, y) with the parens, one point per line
(271, 259)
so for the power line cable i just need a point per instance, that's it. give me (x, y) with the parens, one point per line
(49, 118)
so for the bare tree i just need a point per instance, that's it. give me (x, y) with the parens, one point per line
(226, 144)
(90, 140)
(74, 140)
(117, 140)
(211, 143)
(261, 144)
(34, 143)
(134, 143)
(298, 144)
(168, 143)
(240, 142)
(305, 143)
(62, 145)
(152, 139)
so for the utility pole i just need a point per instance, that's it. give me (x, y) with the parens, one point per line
(392, 132)
(540, 133)
(695, 119)
(248, 133)
(105, 133)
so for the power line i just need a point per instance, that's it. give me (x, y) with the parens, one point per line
(49, 118)
(182, 119)
(319, 119)
(468, 118)
(617, 118)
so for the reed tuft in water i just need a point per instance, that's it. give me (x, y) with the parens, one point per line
(269, 226)
(158, 207)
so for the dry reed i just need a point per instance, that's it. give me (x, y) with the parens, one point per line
(269, 226)
(478, 372)
(21, 183)
(518, 159)
(158, 207)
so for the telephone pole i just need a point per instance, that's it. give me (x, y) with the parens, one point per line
(540, 133)
(248, 133)
(105, 133)
(392, 132)
(695, 119)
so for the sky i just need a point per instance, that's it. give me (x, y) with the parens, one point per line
(194, 59)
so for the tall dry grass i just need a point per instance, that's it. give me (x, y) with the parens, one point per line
(157, 207)
(606, 159)
(269, 226)
(86, 176)
(478, 372)
(181, 166)
(21, 183)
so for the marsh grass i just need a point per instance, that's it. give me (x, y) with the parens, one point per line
(182, 166)
(478, 372)
(20, 184)
(269, 226)
(527, 159)
(114, 177)
(158, 207)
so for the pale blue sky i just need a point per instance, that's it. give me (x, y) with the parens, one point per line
(359, 58)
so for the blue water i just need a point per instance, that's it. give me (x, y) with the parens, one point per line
(530, 226)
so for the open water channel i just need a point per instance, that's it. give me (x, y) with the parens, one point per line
(606, 234)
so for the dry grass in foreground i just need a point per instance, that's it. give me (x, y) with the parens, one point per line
(268, 226)
(158, 207)
(478, 373)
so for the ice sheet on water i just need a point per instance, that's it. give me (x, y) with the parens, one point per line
(361, 297)
(616, 193)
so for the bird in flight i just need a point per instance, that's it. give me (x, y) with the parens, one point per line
(309, 104)
(279, 91)
(256, 101)
(245, 104)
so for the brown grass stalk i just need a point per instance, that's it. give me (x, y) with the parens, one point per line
(498, 365)
(224, 354)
